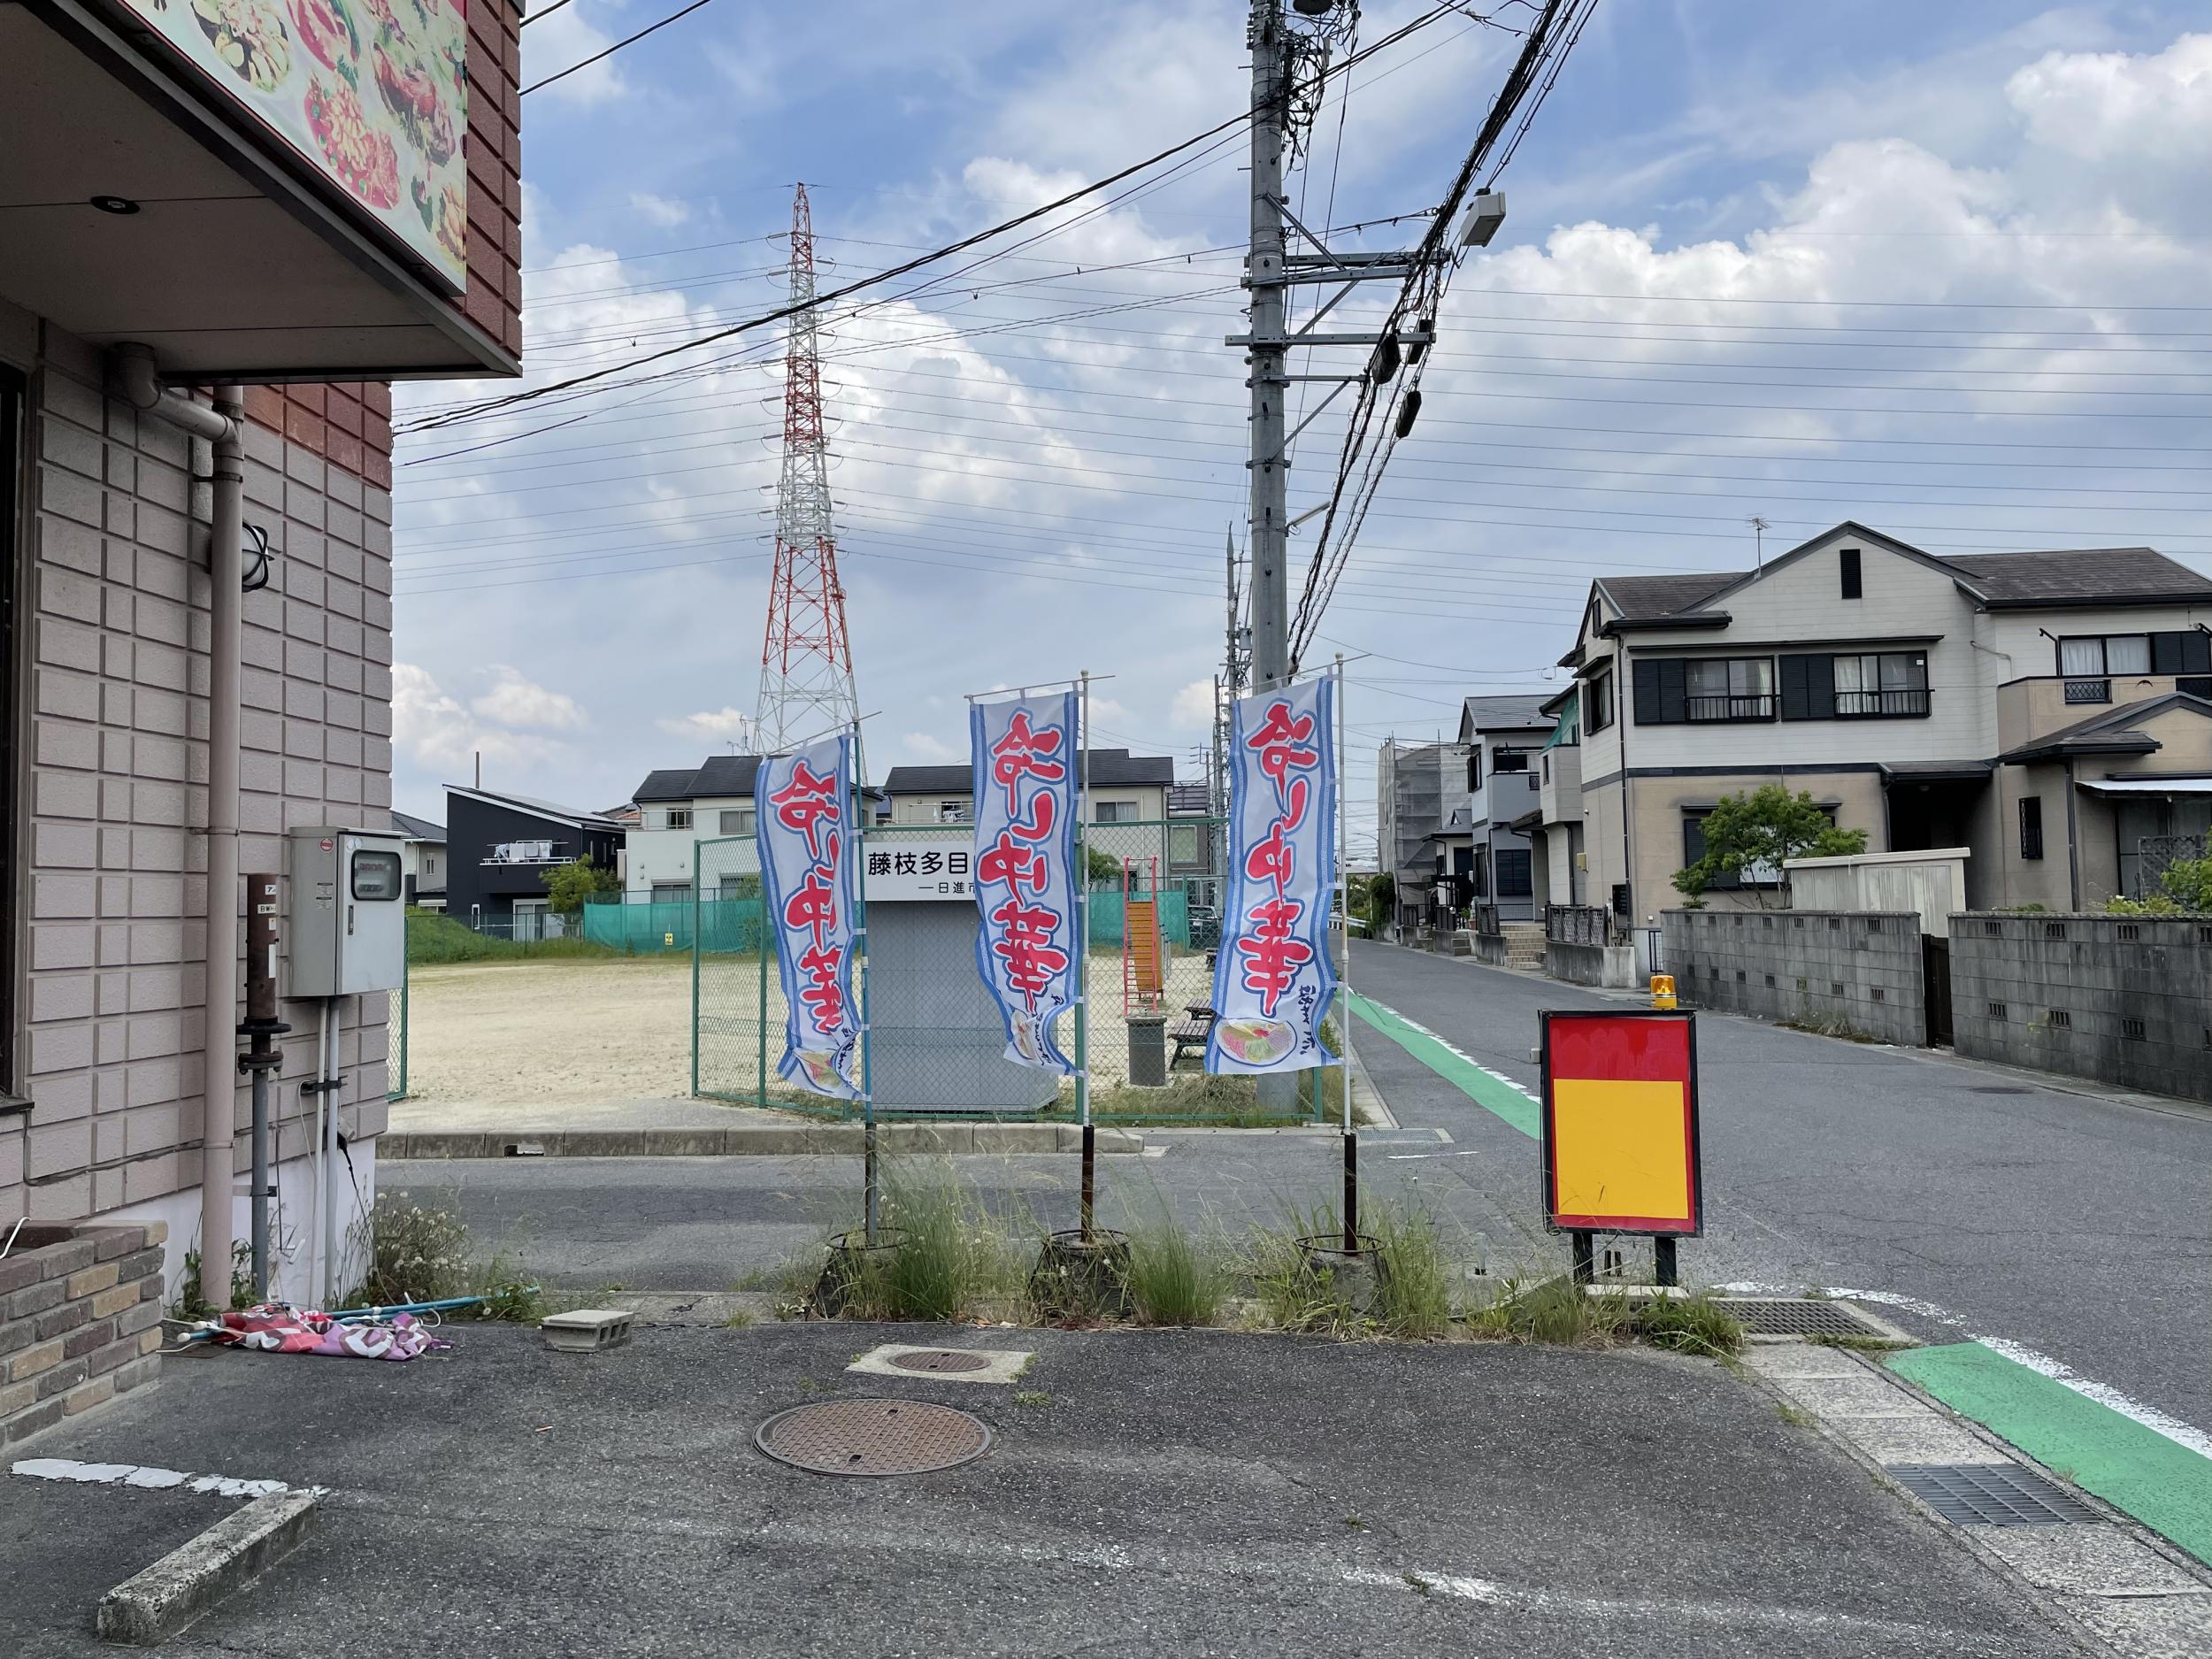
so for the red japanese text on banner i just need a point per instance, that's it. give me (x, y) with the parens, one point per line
(1025, 864)
(1273, 980)
(802, 822)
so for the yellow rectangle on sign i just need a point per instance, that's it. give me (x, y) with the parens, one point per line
(1620, 1148)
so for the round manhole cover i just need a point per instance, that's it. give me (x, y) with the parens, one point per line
(873, 1437)
(940, 1360)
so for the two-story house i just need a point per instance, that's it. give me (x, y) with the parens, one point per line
(2051, 712)
(422, 861)
(1502, 737)
(1122, 788)
(677, 809)
(499, 849)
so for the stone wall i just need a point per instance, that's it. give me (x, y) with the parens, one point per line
(2123, 1000)
(1855, 972)
(80, 1321)
(1612, 967)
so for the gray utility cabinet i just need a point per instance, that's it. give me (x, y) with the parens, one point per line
(937, 1042)
(349, 920)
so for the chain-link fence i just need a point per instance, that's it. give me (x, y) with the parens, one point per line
(396, 1041)
(1155, 893)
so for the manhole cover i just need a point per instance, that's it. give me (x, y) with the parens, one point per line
(1993, 1495)
(940, 1360)
(1796, 1316)
(873, 1437)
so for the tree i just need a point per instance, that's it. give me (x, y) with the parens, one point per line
(1104, 866)
(1382, 899)
(1761, 831)
(571, 886)
(2184, 888)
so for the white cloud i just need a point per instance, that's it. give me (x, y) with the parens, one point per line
(1193, 706)
(659, 210)
(725, 724)
(561, 38)
(2107, 105)
(921, 747)
(516, 701)
(434, 730)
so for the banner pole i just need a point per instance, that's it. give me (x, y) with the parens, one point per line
(1344, 984)
(1088, 1210)
(854, 852)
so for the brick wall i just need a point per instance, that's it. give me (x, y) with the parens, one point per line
(493, 151)
(115, 632)
(1855, 969)
(2124, 1000)
(79, 1322)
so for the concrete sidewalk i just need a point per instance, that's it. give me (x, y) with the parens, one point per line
(1149, 1493)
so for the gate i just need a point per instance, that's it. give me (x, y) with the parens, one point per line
(1935, 976)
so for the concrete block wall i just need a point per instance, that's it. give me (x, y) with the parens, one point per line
(1612, 967)
(79, 1322)
(115, 640)
(2124, 1000)
(1860, 969)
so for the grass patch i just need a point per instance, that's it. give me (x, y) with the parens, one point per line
(1694, 1324)
(1413, 1294)
(1863, 1344)
(435, 940)
(949, 1254)
(1174, 1278)
(1560, 1311)
(1188, 1097)
(1032, 1397)
(1796, 1416)
(423, 1253)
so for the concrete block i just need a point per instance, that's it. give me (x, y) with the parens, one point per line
(587, 1330)
(156, 1604)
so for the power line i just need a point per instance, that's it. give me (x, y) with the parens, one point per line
(630, 40)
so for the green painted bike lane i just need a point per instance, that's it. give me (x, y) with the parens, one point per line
(2154, 1479)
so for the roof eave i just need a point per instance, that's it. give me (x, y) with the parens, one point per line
(1648, 625)
(2115, 602)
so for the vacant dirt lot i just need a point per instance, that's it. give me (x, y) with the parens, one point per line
(566, 1031)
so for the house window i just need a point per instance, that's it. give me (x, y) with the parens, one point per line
(429, 865)
(1514, 878)
(737, 820)
(2105, 654)
(678, 818)
(1889, 682)
(2032, 826)
(1848, 561)
(1598, 702)
(2188, 652)
(952, 812)
(1115, 812)
(1673, 690)
(671, 892)
(1509, 760)
(1474, 769)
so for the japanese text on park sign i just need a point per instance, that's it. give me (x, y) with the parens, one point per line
(1273, 980)
(804, 830)
(1026, 950)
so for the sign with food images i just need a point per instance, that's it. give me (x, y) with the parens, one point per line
(372, 92)
(806, 835)
(1023, 880)
(1272, 978)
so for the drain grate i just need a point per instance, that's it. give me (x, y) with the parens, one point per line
(1993, 1495)
(939, 1360)
(1800, 1316)
(873, 1437)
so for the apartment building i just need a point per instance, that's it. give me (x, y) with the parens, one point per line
(213, 261)
(2051, 712)
(1425, 828)
(1502, 738)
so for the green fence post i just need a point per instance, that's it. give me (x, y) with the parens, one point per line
(760, 1023)
(697, 851)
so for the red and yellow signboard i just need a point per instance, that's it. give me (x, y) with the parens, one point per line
(1620, 1123)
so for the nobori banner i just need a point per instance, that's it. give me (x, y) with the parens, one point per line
(1027, 951)
(1273, 980)
(803, 826)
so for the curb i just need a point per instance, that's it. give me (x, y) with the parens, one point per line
(753, 1140)
(150, 1607)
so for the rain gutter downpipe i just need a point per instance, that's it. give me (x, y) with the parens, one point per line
(222, 427)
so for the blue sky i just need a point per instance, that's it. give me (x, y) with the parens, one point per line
(1904, 263)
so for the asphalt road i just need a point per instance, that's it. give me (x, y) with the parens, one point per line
(2078, 1226)
(1149, 1493)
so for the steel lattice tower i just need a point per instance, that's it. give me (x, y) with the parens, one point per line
(806, 665)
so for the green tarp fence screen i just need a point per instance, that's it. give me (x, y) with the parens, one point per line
(724, 925)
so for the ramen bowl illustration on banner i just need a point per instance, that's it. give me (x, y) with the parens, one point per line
(1258, 1042)
(821, 1070)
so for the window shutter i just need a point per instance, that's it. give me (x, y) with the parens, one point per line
(1794, 706)
(2196, 653)
(1646, 691)
(1674, 707)
(2166, 650)
(1820, 686)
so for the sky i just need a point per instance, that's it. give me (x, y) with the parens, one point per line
(1940, 269)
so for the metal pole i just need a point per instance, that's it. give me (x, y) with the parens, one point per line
(1083, 946)
(261, 1026)
(330, 1154)
(698, 880)
(1264, 272)
(219, 1131)
(854, 852)
(1663, 1271)
(1344, 982)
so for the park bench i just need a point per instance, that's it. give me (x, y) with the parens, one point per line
(1191, 1031)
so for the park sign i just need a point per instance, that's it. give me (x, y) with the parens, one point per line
(1273, 981)
(1026, 950)
(1620, 1131)
(803, 827)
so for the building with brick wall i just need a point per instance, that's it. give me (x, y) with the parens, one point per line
(200, 311)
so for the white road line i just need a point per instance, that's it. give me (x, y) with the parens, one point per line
(146, 1478)
(2149, 1415)
(1451, 1048)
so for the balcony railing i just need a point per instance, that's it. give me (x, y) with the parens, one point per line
(2098, 690)
(1861, 705)
(1578, 925)
(1730, 708)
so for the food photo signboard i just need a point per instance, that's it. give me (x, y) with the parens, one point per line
(372, 92)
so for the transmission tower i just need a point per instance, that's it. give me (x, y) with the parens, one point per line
(806, 665)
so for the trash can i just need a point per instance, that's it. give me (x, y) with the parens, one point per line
(1148, 1050)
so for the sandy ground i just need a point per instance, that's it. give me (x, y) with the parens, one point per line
(564, 1032)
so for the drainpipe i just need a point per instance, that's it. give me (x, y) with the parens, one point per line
(222, 427)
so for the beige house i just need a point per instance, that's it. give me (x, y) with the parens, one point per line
(2050, 711)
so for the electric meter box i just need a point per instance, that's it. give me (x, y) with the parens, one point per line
(348, 931)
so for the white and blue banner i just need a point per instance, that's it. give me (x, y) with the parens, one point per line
(802, 825)
(1273, 980)
(1027, 950)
